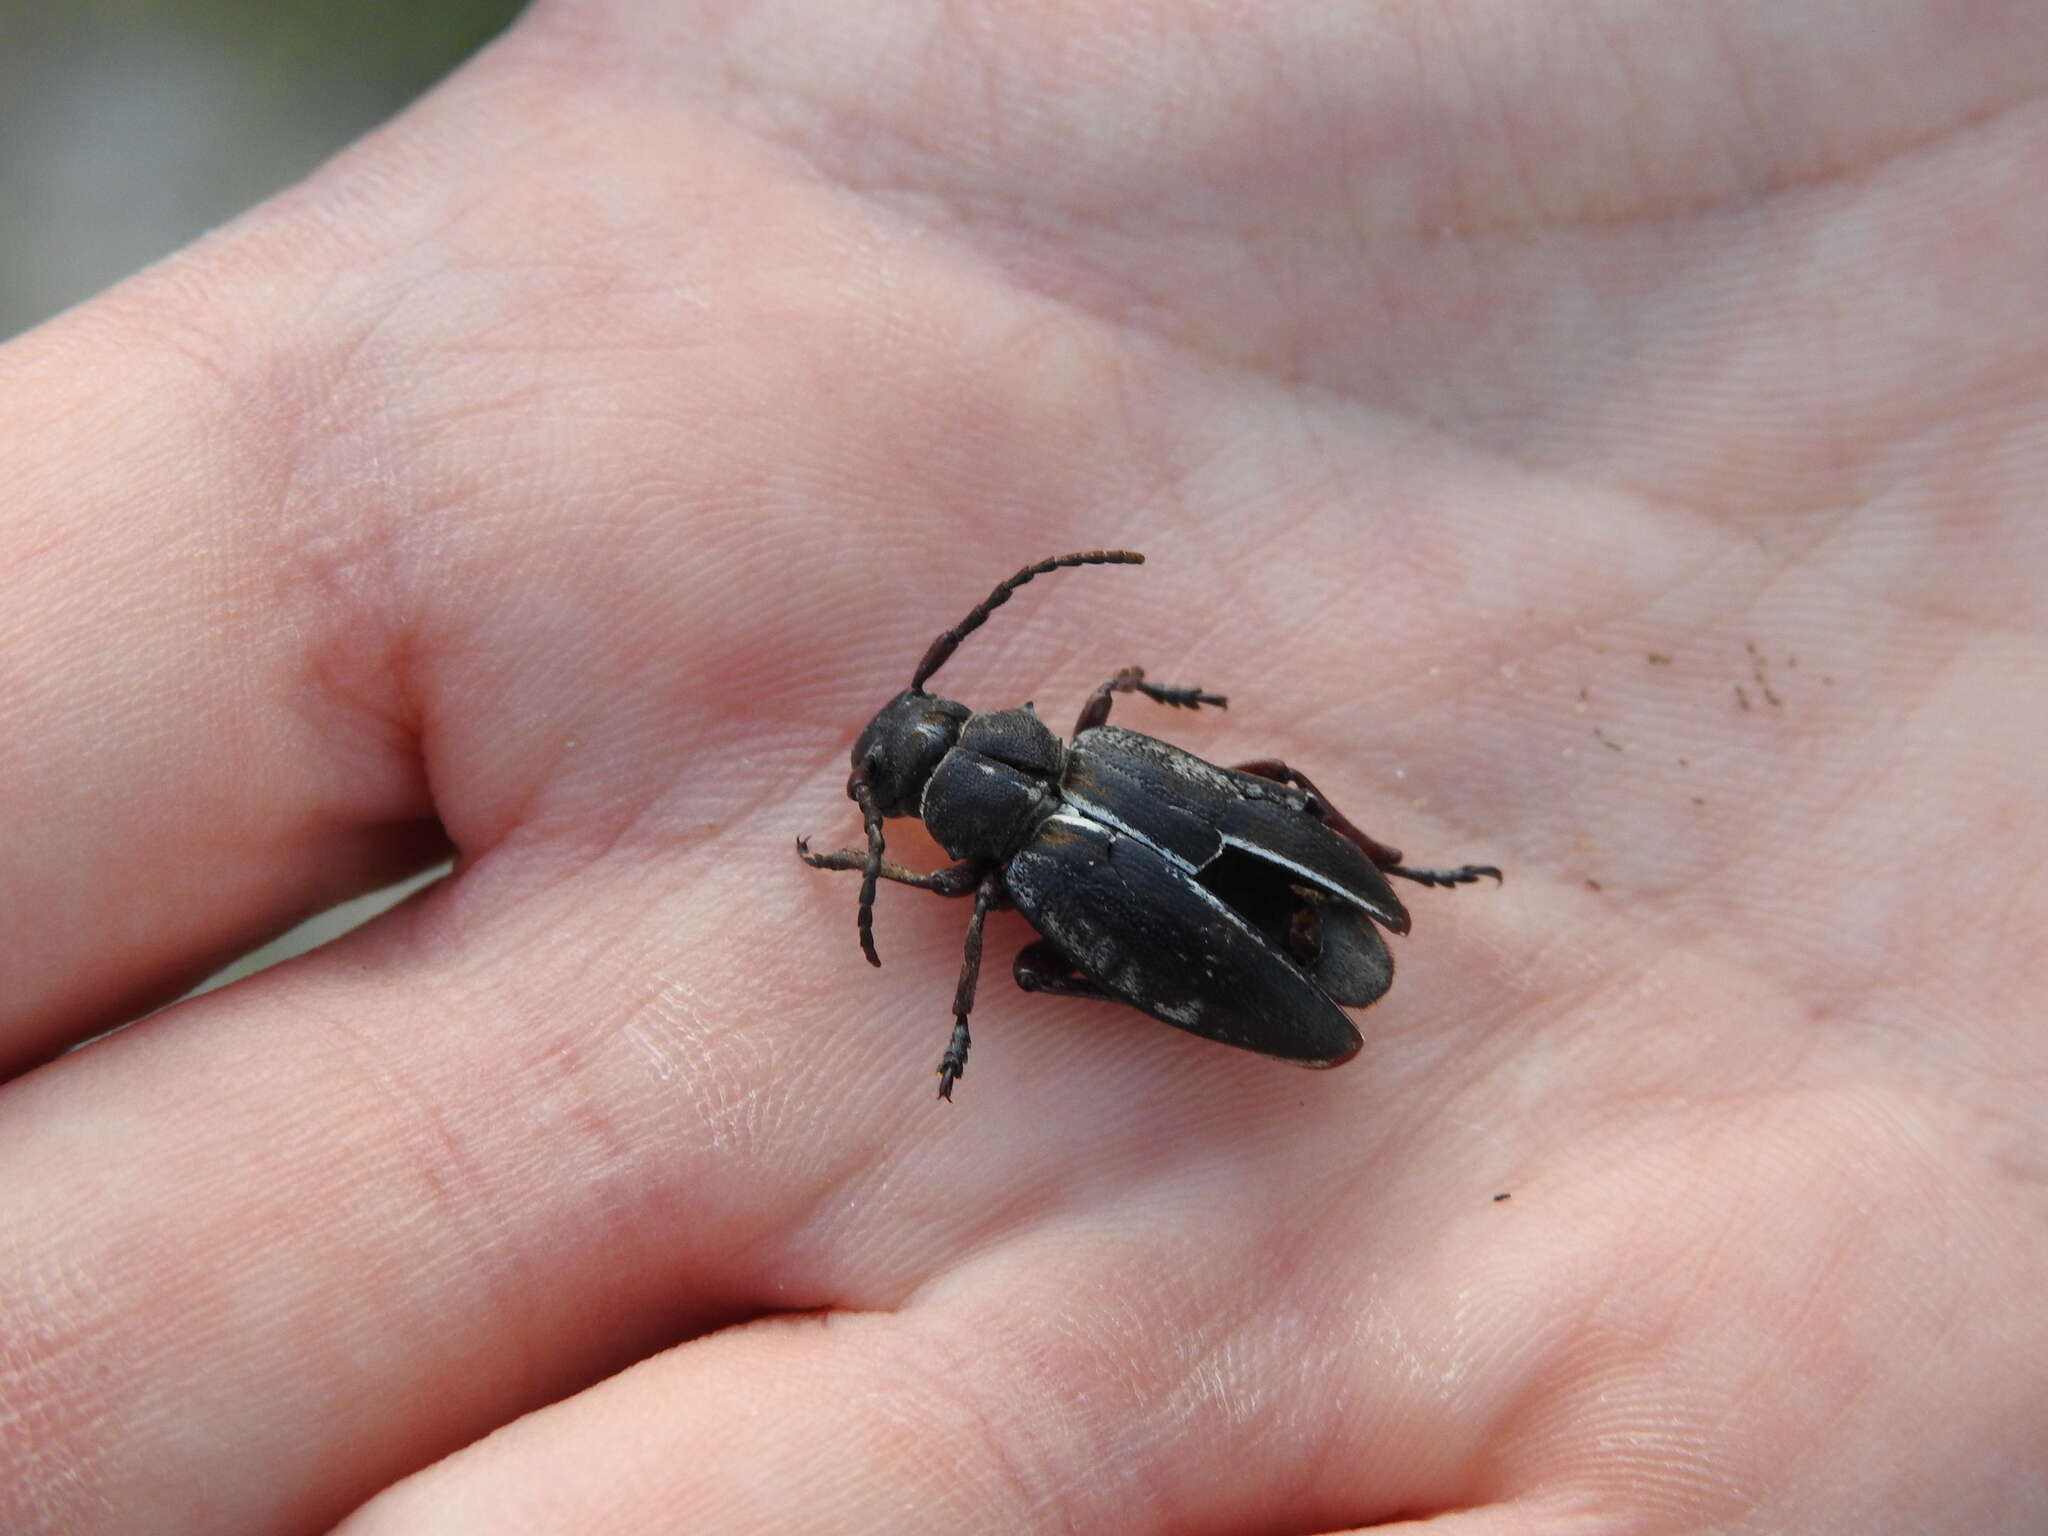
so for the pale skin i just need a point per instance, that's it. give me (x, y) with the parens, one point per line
(1603, 441)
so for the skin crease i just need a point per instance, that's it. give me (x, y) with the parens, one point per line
(1604, 440)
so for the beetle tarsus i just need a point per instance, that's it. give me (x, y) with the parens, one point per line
(953, 1065)
(1185, 698)
(988, 892)
(1464, 874)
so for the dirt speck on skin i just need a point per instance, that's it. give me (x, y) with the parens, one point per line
(1759, 673)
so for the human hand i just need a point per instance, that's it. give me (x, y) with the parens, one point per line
(1606, 444)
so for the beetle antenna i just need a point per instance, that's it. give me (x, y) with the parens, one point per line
(870, 873)
(942, 648)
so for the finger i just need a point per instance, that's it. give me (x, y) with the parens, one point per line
(357, 1211)
(189, 757)
(1029, 1398)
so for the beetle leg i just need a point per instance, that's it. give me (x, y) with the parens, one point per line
(1382, 854)
(1041, 967)
(1132, 680)
(1388, 858)
(953, 880)
(953, 1065)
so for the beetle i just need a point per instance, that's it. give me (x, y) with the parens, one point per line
(1235, 903)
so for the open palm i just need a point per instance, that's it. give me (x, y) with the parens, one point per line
(1605, 442)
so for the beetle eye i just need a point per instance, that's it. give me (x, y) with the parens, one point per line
(873, 776)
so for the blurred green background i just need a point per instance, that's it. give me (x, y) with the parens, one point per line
(128, 127)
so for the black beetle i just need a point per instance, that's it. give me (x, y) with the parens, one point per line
(1234, 903)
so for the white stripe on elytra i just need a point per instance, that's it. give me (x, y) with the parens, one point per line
(1103, 814)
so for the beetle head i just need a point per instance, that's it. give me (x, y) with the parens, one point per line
(892, 761)
(899, 749)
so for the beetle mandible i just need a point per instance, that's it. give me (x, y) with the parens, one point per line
(1234, 903)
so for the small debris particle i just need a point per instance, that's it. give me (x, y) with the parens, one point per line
(1608, 741)
(1658, 659)
(1699, 799)
(1759, 673)
(1503, 1195)
(1742, 695)
(1593, 885)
